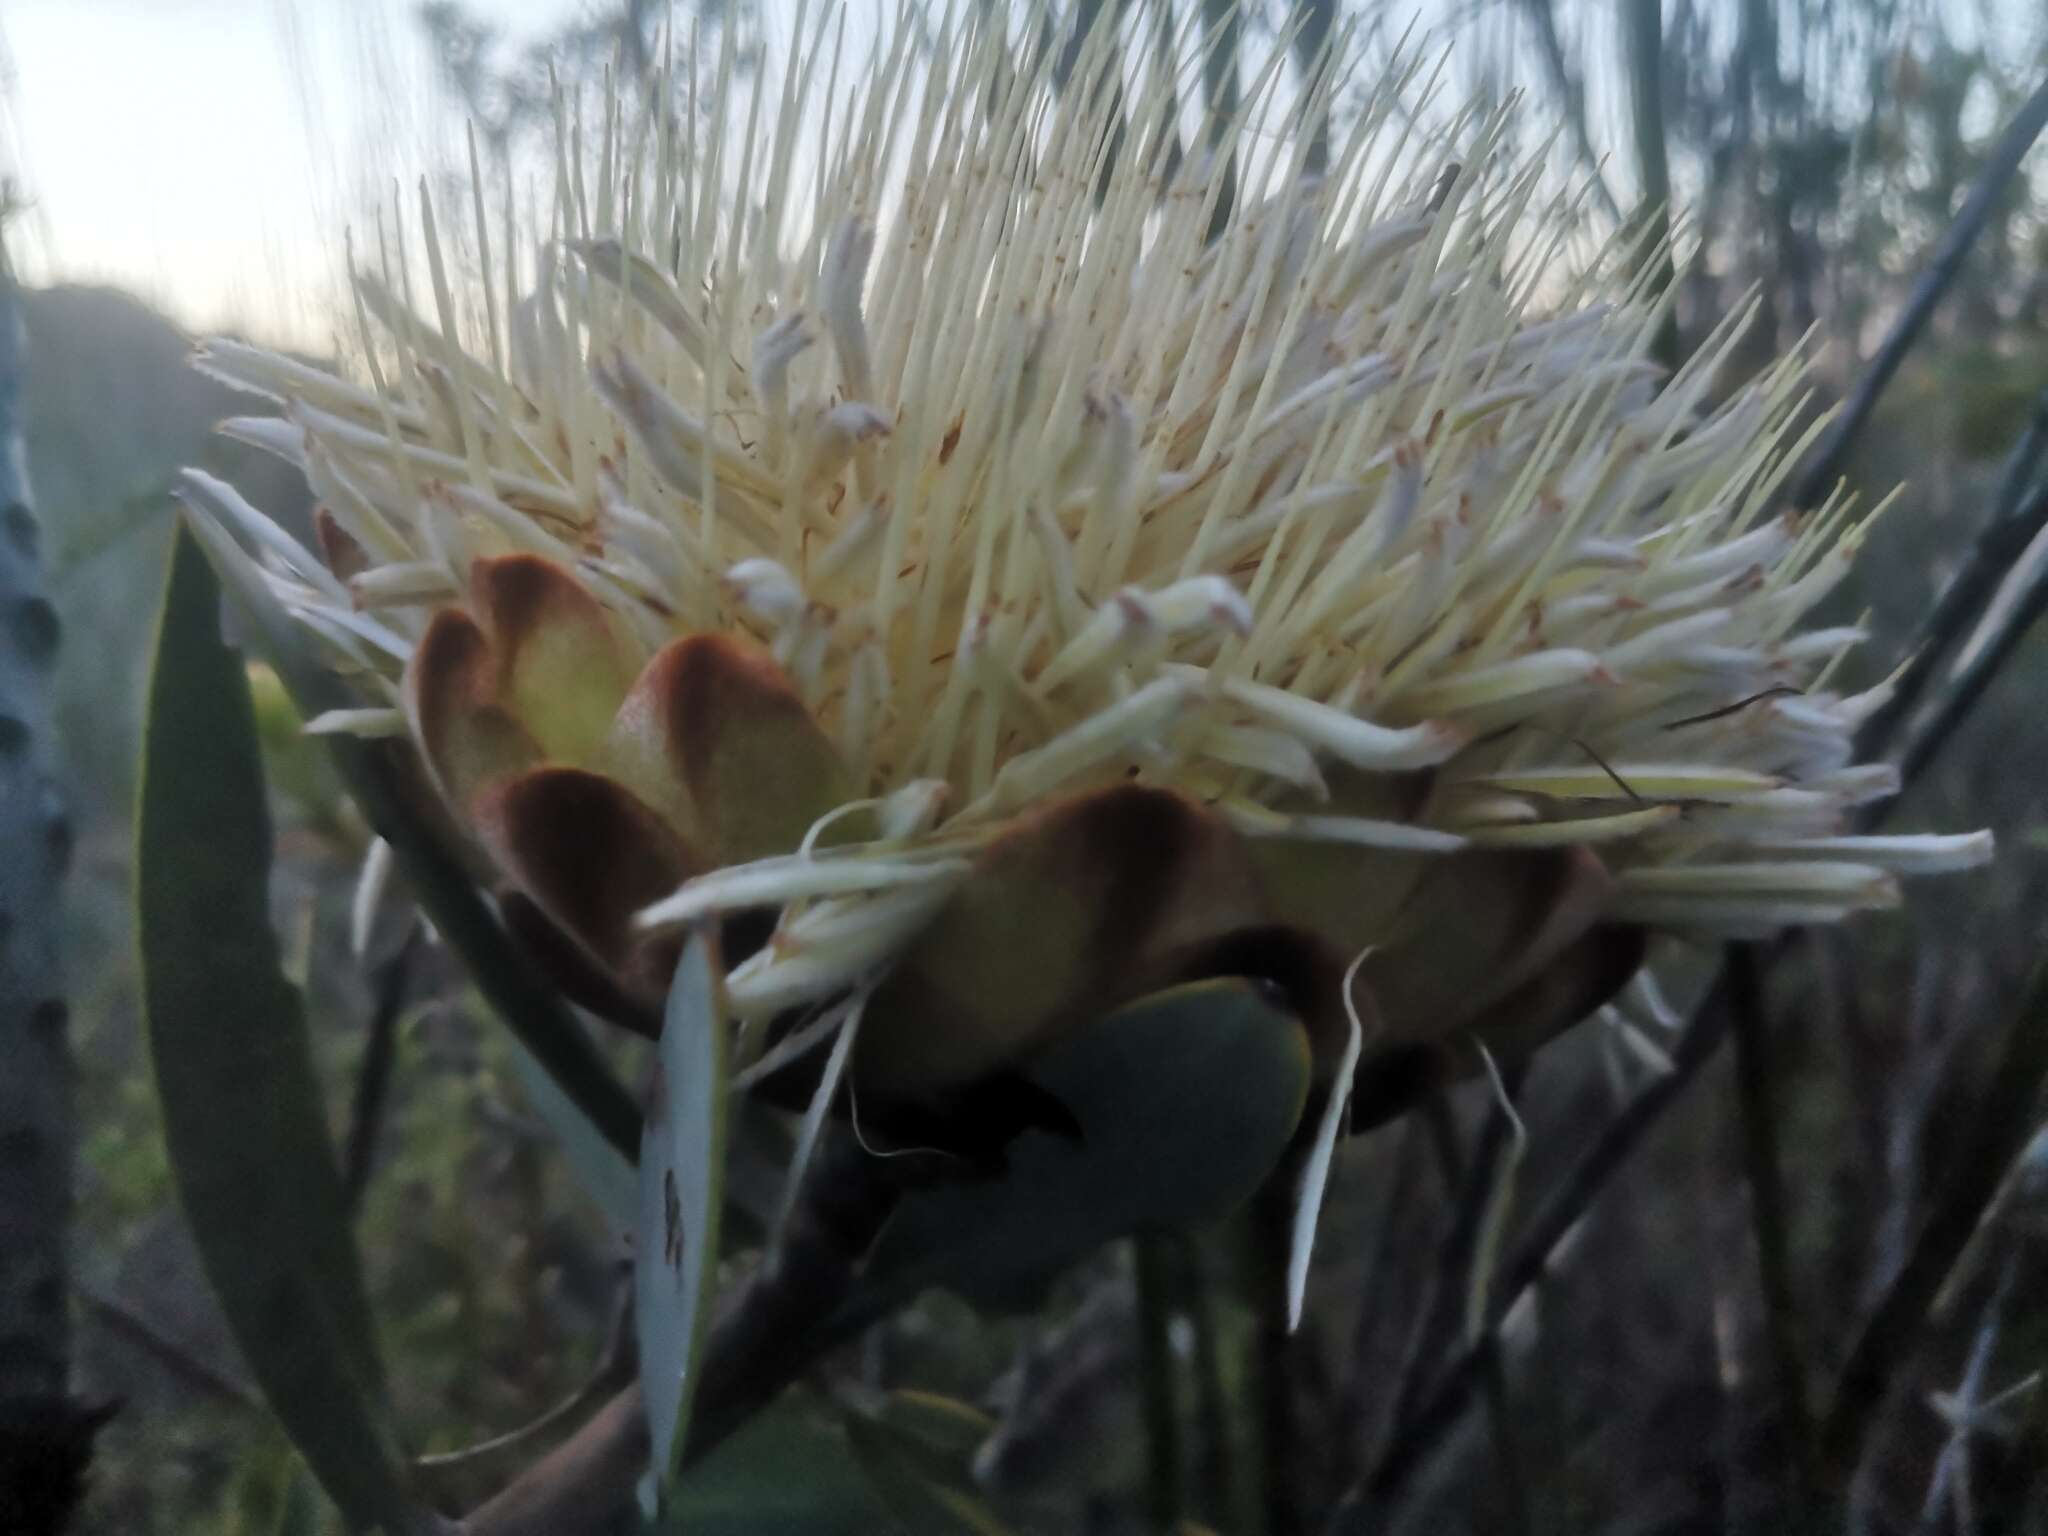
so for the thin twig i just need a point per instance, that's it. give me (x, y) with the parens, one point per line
(1058, 1371)
(188, 1364)
(1155, 1380)
(612, 1374)
(1764, 1169)
(1417, 1439)
(1363, 1382)
(1280, 1427)
(1507, 1452)
(1952, 1466)
(1814, 483)
(1987, 659)
(1475, 1178)
(582, 1486)
(373, 1078)
(1999, 1131)
(2011, 527)
(1213, 1461)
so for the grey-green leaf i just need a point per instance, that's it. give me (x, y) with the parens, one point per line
(682, 1178)
(234, 1068)
(1186, 1100)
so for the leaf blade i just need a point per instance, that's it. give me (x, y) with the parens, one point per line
(682, 1175)
(1185, 1100)
(242, 1111)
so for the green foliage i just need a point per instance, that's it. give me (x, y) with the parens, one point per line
(1184, 1101)
(790, 1472)
(682, 1195)
(234, 1069)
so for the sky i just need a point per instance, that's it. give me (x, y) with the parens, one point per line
(205, 153)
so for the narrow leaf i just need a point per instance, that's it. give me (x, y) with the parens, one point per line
(682, 1177)
(234, 1067)
(1315, 1173)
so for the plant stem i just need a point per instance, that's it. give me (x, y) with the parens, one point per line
(1507, 1453)
(1762, 1166)
(1999, 1132)
(373, 1080)
(1155, 1380)
(1819, 477)
(1357, 1425)
(1280, 1465)
(1214, 1459)
(2004, 538)
(1986, 661)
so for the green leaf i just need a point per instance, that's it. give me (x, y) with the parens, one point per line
(1185, 1100)
(234, 1067)
(930, 1495)
(787, 1472)
(682, 1178)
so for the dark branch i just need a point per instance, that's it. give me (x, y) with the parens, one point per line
(373, 1080)
(1763, 1167)
(1999, 1130)
(2006, 533)
(1814, 483)
(1988, 660)
(1155, 1379)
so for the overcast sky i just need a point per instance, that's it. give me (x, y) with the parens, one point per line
(204, 153)
(208, 153)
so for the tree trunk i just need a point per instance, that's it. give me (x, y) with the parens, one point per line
(44, 1437)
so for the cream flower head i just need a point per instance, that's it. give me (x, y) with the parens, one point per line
(1000, 565)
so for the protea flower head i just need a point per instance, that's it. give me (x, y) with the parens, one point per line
(1000, 566)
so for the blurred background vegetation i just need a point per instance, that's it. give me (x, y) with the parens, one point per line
(1816, 151)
